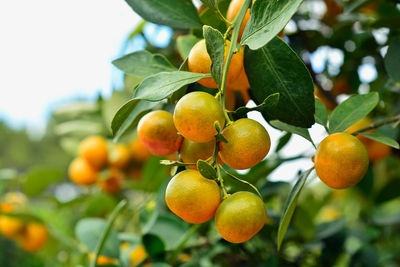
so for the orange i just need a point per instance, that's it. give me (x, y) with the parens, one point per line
(241, 83)
(200, 62)
(340, 86)
(156, 130)
(81, 172)
(102, 260)
(191, 151)
(94, 150)
(195, 114)
(34, 237)
(232, 12)
(341, 160)
(240, 217)
(113, 183)
(119, 156)
(230, 101)
(137, 255)
(192, 197)
(138, 151)
(248, 144)
(10, 226)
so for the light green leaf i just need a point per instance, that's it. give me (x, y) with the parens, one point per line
(392, 60)
(303, 132)
(185, 44)
(215, 48)
(382, 139)
(321, 114)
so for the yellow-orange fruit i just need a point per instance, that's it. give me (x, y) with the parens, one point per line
(191, 151)
(248, 144)
(232, 12)
(94, 150)
(102, 260)
(341, 160)
(139, 151)
(81, 172)
(199, 61)
(34, 237)
(113, 183)
(241, 84)
(192, 197)
(156, 130)
(137, 255)
(10, 226)
(119, 156)
(195, 114)
(240, 217)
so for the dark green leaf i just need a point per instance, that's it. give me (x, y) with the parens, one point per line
(179, 14)
(89, 231)
(215, 48)
(211, 3)
(161, 85)
(185, 44)
(290, 206)
(389, 191)
(321, 114)
(206, 170)
(387, 220)
(171, 229)
(153, 244)
(38, 179)
(392, 60)
(143, 64)
(267, 19)
(268, 103)
(352, 110)
(303, 132)
(211, 18)
(283, 141)
(276, 68)
(382, 139)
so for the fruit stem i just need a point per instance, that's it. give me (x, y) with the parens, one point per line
(221, 182)
(243, 181)
(223, 18)
(378, 124)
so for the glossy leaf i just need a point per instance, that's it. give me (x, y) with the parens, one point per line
(276, 68)
(382, 139)
(180, 14)
(303, 132)
(153, 244)
(215, 48)
(290, 206)
(210, 17)
(352, 110)
(270, 102)
(392, 60)
(267, 19)
(321, 114)
(206, 170)
(161, 85)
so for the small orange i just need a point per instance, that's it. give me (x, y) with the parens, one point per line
(192, 197)
(191, 151)
(240, 217)
(102, 260)
(10, 226)
(241, 84)
(248, 144)
(33, 237)
(113, 183)
(94, 150)
(119, 156)
(81, 172)
(232, 12)
(138, 151)
(137, 255)
(341, 160)
(156, 130)
(199, 61)
(195, 114)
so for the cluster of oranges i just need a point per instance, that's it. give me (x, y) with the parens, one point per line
(30, 235)
(137, 254)
(107, 165)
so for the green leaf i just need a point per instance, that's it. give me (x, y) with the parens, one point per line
(171, 229)
(392, 60)
(283, 141)
(215, 48)
(268, 103)
(129, 115)
(153, 244)
(303, 132)
(180, 14)
(185, 44)
(276, 68)
(143, 64)
(206, 169)
(8, 174)
(321, 114)
(267, 19)
(290, 206)
(211, 3)
(38, 179)
(389, 191)
(211, 18)
(161, 85)
(352, 110)
(382, 139)
(89, 231)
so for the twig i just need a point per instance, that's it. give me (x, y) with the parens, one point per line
(378, 124)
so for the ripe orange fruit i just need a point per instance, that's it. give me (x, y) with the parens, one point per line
(137, 255)
(195, 114)
(10, 226)
(241, 83)
(192, 197)
(156, 130)
(200, 62)
(240, 217)
(94, 150)
(119, 156)
(81, 172)
(34, 237)
(232, 12)
(138, 151)
(248, 144)
(376, 150)
(191, 151)
(113, 183)
(102, 260)
(341, 160)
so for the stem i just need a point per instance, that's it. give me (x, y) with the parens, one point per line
(378, 124)
(100, 244)
(242, 181)
(172, 259)
(223, 18)
(221, 181)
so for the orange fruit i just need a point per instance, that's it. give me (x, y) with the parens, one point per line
(199, 61)
(240, 216)
(10, 226)
(192, 197)
(137, 255)
(94, 150)
(119, 156)
(81, 172)
(325, 100)
(241, 83)
(156, 130)
(248, 144)
(191, 151)
(341, 160)
(102, 260)
(34, 237)
(230, 100)
(138, 151)
(113, 183)
(232, 12)
(195, 114)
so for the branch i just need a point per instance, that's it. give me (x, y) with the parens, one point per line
(378, 124)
